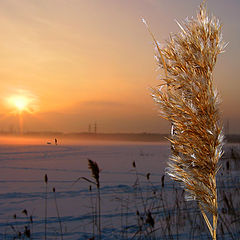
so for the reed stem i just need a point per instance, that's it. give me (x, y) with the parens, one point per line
(46, 192)
(58, 215)
(215, 215)
(212, 228)
(99, 214)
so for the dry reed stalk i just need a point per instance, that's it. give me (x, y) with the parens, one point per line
(57, 210)
(93, 166)
(187, 99)
(46, 192)
(93, 212)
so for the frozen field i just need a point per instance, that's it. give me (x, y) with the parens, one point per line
(125, 192)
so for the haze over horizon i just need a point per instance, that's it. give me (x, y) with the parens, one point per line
(81, 62)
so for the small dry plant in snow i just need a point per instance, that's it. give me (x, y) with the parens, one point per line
(187, 98)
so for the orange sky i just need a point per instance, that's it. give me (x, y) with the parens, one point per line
(92, 60)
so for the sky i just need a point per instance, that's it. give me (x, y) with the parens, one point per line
(82, 62)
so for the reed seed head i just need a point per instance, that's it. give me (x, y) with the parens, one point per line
(148, 176)
(93, 166)
(46, 178)
(188, 99)
(25, 212)
(134, 164)
(150, 220)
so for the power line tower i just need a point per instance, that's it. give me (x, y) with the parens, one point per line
(95, 128)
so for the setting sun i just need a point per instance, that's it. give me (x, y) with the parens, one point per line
(19, 102)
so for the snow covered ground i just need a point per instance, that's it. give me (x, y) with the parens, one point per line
(127, 195)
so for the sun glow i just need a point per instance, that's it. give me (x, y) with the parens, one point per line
(21, 102)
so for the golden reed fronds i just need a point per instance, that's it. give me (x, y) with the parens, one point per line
(187, 99)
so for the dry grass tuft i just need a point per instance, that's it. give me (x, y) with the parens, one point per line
(187, 99)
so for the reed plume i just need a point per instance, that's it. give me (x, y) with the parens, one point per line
(93, 166)
(187, 98)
